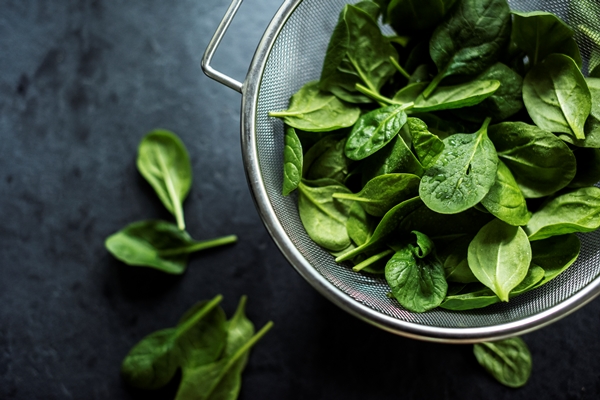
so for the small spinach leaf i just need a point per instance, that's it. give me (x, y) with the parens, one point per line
(315, 111)
(164, 162)
(508, 360)
(499, 257)
(292, 161)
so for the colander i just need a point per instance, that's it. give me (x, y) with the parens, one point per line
(291, 53)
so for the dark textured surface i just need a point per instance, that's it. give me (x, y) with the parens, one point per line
(80, 83)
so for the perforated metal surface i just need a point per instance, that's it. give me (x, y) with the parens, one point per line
(290, 55)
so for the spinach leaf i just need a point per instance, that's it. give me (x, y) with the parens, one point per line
(508, 360)
(197, 339)
(292, 161)
(505, 200)
(575, 211)
(504, 102)
(468, 41)
(383, 192)
(540, 34)
(588, 167)
(557, 97)
(416, 276)
(357, 53)
(386, 227)
(592, 124)
(555, 254)
(164, 162)
(454, 258)
(441, 127)
(456, 96)
(413, 16)
(315, 111)
(324, 217)
(540, 162)
(374, 130)
(428, 147)
(326, 159)
(499, 257)
(360, 226)
(463, 175)
(158, 244)
(409, 93)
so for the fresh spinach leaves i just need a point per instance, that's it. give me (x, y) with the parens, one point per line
(508, 360)
(292, 158)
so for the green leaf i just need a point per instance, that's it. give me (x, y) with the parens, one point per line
(374, 130)
(383, 192)
(540, 34)
(499, 256)
(454, 259)
(158, 244)
(557, 97)
(428, 147)
(412, 16)
(326, 159)
(416, 277)
(508, 360)
(164, 162)
(357, 53)
(462, 175)
(292, 161)
(592, 124)
(505, 200)
(198, 339)
(315, 111)
(540, 162)
(469, 39)
(456, 96)
(323, 216)
(575, 211)
(360, 226)
(555, 255)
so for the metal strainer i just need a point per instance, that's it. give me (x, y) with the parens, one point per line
(290, 54)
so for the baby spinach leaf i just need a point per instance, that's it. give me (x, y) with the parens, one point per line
(499, 257)
(463, 175)
(575, 211)
(505, 200)
(454, 259)
(468, 41)
(315, 111)
(540, 34)
(456, 96)
(326, 159)
(359, 226)
(164, 162)
(416, 277)
(557, 97)
(588, 167)
(555, 254)
(357, 53)
(592, 124)
(504, 102)
(540, 162)
(374, 130)
(158, 244)
(410, 93)
(442, 127)
(383, 192)
(413, 16)
(508, 360)
(197, 339)
(324, 217)
(428, 147)
(386, 227)
(292, 161)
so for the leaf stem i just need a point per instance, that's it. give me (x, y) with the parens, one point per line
(372, 259)
(203, 311)
(434, 84)
(382, 99)
(175, 201)
(399, 67)
(200, 245)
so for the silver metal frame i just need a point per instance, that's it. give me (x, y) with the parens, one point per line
(249, 90)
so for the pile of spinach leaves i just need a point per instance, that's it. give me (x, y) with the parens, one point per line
(456, 159)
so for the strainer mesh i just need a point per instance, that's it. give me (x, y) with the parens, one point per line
(297, 58)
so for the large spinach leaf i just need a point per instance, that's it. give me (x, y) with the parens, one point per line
(575, 211)
(508, 360)
(499, 257)
(557, 97)
(540, 162)
(164, 162)
(469, 40)
(462, 175)
(292, 161)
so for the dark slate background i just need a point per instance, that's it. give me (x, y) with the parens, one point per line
(81, 82)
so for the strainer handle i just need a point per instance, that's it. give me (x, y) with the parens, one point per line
(214, 44)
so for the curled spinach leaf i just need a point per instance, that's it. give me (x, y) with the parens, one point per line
(557, 97)
(508, 360)
(158, 244)
(315, 111)
(463, 174)
(292, 161)
(499, 257)
(164, 162)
